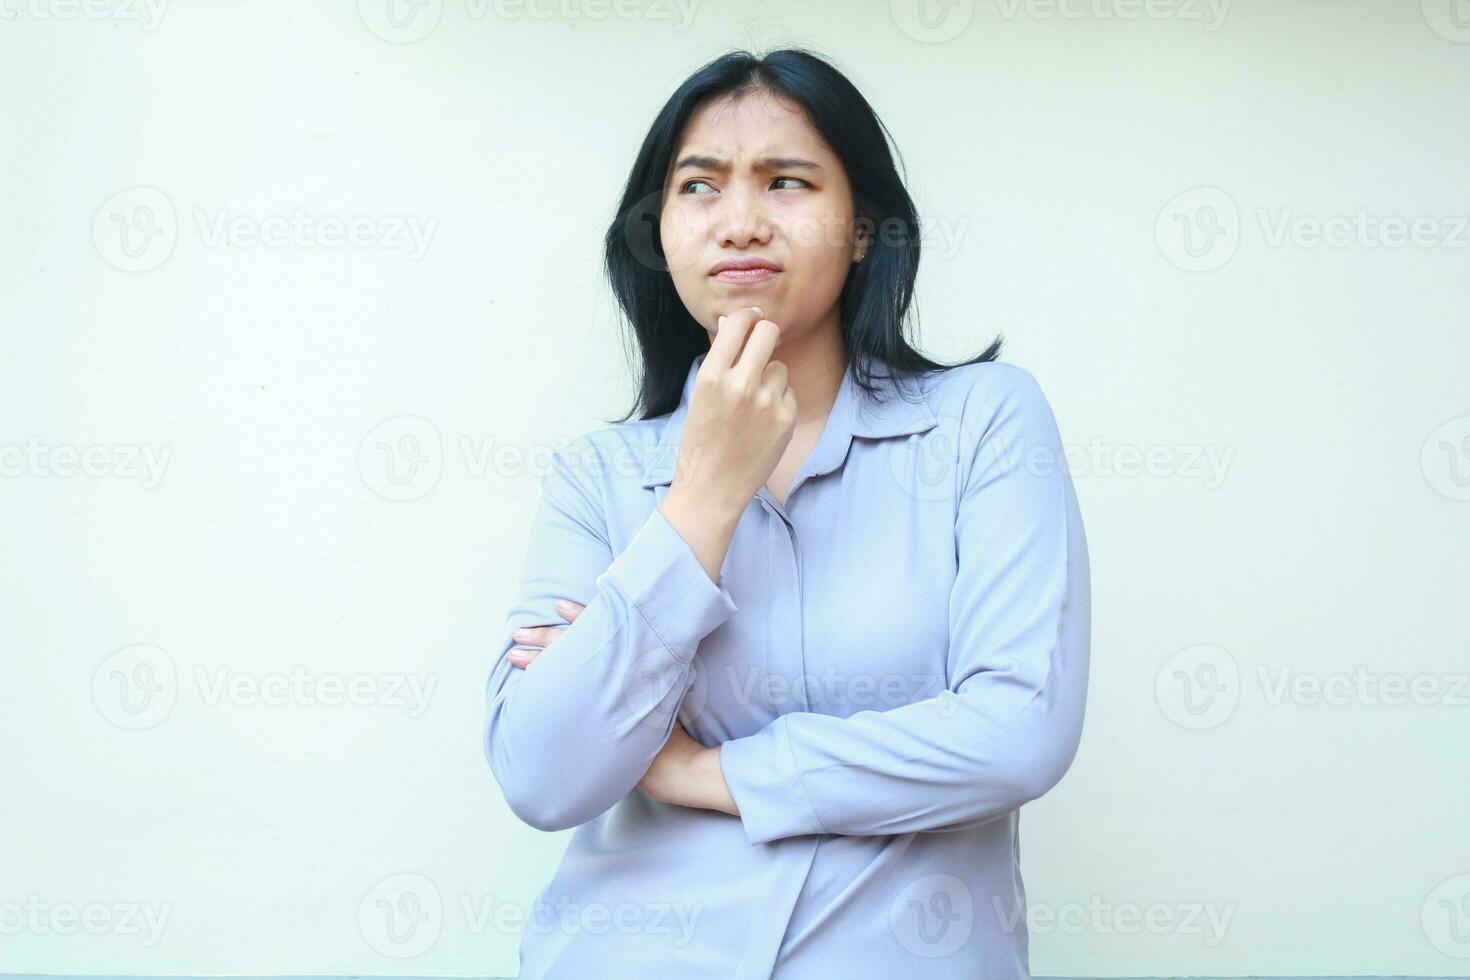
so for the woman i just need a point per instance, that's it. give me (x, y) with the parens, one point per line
(791, 649)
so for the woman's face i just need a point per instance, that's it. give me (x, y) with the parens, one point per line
(751, 179)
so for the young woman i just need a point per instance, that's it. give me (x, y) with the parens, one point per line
(791, 649)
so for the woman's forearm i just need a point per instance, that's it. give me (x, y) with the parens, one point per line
(706, 783)
(707, 526)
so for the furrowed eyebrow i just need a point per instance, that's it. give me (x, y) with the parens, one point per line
(699, 161)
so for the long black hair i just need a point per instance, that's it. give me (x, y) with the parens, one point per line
(875, 298)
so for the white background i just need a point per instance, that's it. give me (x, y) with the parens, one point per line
(1272, 436)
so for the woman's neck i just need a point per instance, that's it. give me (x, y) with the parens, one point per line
(814, 371)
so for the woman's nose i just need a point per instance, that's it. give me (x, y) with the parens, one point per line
(742, 218)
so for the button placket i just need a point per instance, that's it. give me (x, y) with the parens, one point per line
(796, 624)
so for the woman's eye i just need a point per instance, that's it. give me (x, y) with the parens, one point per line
(685, 187)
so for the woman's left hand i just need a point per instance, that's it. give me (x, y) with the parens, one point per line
(683, 773)
(531, 641)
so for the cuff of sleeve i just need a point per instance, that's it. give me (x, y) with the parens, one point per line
(660, 574)
(761, 775)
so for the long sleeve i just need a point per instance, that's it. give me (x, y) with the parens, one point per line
(574, 732)
(1008, 724)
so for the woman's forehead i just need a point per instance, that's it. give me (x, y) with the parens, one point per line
(754, 125)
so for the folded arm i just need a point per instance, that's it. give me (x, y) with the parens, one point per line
(1008, 725)
(573, 733)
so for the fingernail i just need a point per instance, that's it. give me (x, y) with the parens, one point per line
(757, 310)
(563, 605)
(722, 321)
(523, 634)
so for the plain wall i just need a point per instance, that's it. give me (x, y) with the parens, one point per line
(237, 473)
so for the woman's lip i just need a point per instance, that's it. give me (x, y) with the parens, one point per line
(745, 275)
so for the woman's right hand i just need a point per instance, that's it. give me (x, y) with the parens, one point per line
(741, 417)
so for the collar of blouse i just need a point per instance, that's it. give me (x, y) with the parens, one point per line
(894, 416)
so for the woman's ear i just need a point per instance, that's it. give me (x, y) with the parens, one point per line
(861, 239)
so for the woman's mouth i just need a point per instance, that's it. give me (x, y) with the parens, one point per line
(744, 276)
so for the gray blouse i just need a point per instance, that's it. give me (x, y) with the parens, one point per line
(892, 663)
